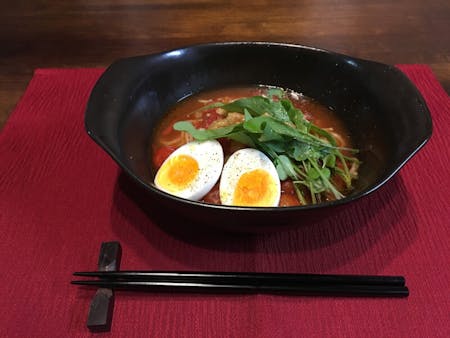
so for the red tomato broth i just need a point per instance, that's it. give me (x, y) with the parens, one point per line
(165, 139)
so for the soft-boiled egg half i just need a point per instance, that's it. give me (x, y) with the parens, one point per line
(192, 170)
(249, 178)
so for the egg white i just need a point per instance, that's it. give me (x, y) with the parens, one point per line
(243, 161)
(209, 157)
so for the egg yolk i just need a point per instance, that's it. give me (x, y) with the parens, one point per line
(177, 173)
(255, 188)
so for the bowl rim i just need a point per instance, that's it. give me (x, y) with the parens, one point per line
(347, 199)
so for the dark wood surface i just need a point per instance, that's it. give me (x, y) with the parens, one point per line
(89, 33)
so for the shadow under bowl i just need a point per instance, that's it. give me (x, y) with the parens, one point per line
(385, 114)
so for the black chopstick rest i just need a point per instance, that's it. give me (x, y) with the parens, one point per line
(101, 311)
(102, 305)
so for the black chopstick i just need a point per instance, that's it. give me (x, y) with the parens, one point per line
(254, 278)
(299, 289)
(249, 282)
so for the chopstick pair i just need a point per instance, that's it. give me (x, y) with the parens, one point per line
(300, 284)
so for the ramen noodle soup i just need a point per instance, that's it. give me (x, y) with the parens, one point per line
(253, 146)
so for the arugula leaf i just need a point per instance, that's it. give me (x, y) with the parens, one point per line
(242, 137)
(300, 150)
(277, 92)
(269, 135)
(329, 161)
(278, 146)
(324, 133)
(256, 124)
(258, 105)
(285, 165)
(295, 115)
(204, 134)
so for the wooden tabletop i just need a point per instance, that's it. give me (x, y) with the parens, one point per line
(91, 33)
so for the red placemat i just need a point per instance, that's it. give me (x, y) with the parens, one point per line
(61, 196)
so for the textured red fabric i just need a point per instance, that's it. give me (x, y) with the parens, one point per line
(60, 197)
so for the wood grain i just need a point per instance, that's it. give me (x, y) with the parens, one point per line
(49, 33)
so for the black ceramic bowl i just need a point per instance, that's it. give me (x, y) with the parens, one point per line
(385, 114)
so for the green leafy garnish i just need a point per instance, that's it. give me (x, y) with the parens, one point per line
(300, 150)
